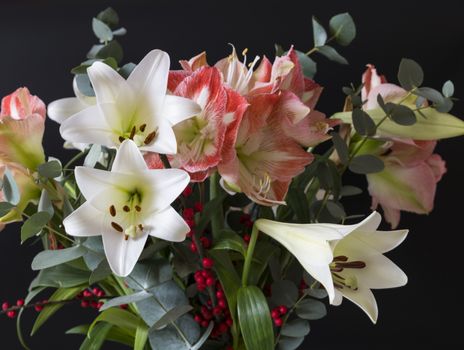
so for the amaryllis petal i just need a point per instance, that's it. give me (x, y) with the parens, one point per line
(371, 79)
(195, 62)
(21, 104)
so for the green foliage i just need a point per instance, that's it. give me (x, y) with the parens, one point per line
(229, 240)
(342, 27)
(410, 74)
(448, 89)
(296, 328)
(50, 170)
(363, 123)
(95, 339)
(366, 164)
(102, 31)
(10, 188)
(319, 33)
(310, 309)
(284, 292)
(5, 208)
(340, 147)
(332, 54)
(308, 66)
(402, 115)
(61, 276)
(50, 258)
(34, 224)
(255, 319)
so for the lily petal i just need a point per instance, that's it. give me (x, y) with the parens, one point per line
(83, 222)
(168, 225)
(177, 109)
(107, 83)
(128, 159)
(62, 109)
(364, 298)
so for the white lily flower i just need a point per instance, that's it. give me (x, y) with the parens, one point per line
(137, 108)
(347, 260)
(126, 205)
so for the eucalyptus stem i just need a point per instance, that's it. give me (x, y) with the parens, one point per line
(285, 319)
(217, 219)
(249, 255)
(315, 48)
(75, 159)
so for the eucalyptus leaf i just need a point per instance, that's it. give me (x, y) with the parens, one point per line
(430, 94)
(342, 27)
(101, 272)
(5, 208)
(336, 209)
(84, 85)
(332, 54)
(296, 328)
(448, 89)
(93, 156)
(149, 274)
(45, 204)
(112, 49)
(169, 337)
(311, 309)
(319, 33)
(363, 123)
(49, 258)
(366, 164)
(101, 30)
(125, 299)
(446, 106)
(50, 169)
(10, 188)
(255, 319)
(288, 343)
(34, 224)
(349, 190)
(126, 70)
(109, 16)
(61, 276)
(340, 147)
(299, 204)
(410, 74)
(308, 66)
(403, 115)
(172, 315)
(284, 292)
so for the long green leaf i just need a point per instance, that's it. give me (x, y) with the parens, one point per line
(50, 258)
(59, 295)
(141, 337)
(96, 338)
(255, 319)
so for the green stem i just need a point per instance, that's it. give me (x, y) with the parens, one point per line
(314, 49)
(217, 219)
(249, 255)
(75, 159)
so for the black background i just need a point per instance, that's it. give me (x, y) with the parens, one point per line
(40, 41)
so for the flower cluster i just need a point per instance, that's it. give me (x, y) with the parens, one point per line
(159, 228)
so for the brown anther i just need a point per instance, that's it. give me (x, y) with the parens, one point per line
(150, 137)
(132, 133)
(142, 127)
(121, 139)
(126, 237)
(354, 265)
(126, 208)
(340, 258)
(138, 208)
(112, 211)
(140, 226)
(116, 227)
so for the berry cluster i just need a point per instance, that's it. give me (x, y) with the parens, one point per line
(91, 298)
(246, 221)
(277, 314)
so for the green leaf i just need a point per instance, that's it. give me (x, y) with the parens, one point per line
(410, 74)
(172, 315)
(5, 208)
(297, 201)
(444, 107)
(126, 70)
(59, 295)
(349, 190)
(125, 299)
(284, 292)
(340, 147)
(115, 334)
(342, 27)
(255, 319)
(287, 343)
(101, 272)
(101, 30)
(311, 309)
(262, 256)
(96, 338)
(45, 204)
(229, 240)
(118, 317)
(93, 156)
(208, 211)
(50, 170)
(49, 258)
(332, 54)
(10, 188)
(402, 115)
(279, 51)
(149, 274)
(112, 49)
(430, 94)
(366, 164)
(308, 66)
(363, 123)
(109, 16)
(84, 85)
(296, 328)
(169, 338)
(336, 209)
(204, 337)
(319, 33)
(34, 225)
(141, 337)
(61, 276)
(448, 89)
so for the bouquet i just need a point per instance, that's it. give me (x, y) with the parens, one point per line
(205, 206)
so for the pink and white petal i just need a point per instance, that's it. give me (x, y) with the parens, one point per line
(201, 176)
(411, 152)
(153, 160)
(85, 221)
(294, 81)
(363, 298)
(175, 78)
(195, 62)
(122, 254)
(128, 159)
(87, 126)
(312, 92)
(108, 84)
(370, 80)
(290, 108)
(20, 104)
(149, 78)
(177, 109)
(389, 92)
(392, 216)
(168, 225)
(437, 165)
(264, 71)
(62, 109)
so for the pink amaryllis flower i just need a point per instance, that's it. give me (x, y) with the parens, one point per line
(409, 180)
(22, 123)
(207, 138)
(265, 159)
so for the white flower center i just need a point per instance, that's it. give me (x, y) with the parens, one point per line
(345, 279)
(127, 216)
(139, 134)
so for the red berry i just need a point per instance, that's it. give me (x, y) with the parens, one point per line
(204, 323)
(201, 287)
(244, 218)
(209, 302)
(87, 293)
(94, 304)
(198, 318)
(20, 302)
(190, 223)
(205, 242)
(193, 247)
(123, 306)
(283, 309)
(275, 313)
(217, 311)
(38, 308)
(247, 238)
(210, 281)
(222, 304)
(229, 322)
(188, 191)
(230, 347)
(5, 306)
(278, 322)
(200, 279)
(220, 294)
(206, 313)
(188, 213)
(11, 314)
(205, 273)
(85, 303)
(223, 327)
(198, 206)
(208, 263)
(99, 305)
(95, 291)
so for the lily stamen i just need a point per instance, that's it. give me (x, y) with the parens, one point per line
(126, 208)
(117, 227)
(112, 211)
(150, 137)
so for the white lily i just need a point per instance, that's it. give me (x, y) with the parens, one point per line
(137, 108)
(347, 260)
(126, 205)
